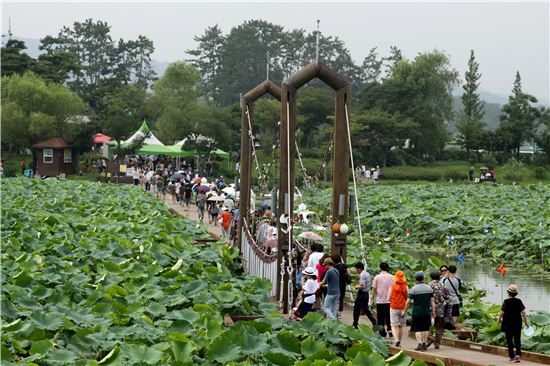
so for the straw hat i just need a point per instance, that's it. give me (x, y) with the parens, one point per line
(512, 289)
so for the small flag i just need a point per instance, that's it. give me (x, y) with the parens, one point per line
(450, 239)
(461, 258)
(502, 270)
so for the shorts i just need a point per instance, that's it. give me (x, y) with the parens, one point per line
(455, 310)
(421, 323)
(397, 318)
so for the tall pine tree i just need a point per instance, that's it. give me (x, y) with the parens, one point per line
(471, 125)
(519, 119)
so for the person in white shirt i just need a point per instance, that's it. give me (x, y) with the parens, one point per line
(317, 253)
(308, 293)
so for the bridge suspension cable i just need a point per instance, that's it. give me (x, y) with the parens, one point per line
(362, 245)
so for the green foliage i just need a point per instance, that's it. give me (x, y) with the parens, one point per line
(101, 64)
(519, 119)
(487, 221)
(514, 170)
(34, 110)
(420, 90)
(540, 172)
(109, 277)
(14, 59)
(471, 125)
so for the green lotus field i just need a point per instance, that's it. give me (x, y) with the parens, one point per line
(496, 222)
(98, 274)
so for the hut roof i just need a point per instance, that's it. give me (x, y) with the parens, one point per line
(54, 142)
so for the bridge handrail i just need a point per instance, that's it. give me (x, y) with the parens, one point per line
(259, 251)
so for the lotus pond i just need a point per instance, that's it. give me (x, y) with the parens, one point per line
(491, 222)
(97, 274)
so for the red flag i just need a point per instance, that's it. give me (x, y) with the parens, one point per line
(502, 270)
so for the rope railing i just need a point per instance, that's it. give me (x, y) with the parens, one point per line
(258, 250)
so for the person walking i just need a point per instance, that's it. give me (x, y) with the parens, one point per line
(332, 282)
(453, 285)
(23, 166)
(225, 223)
(201, 205)
(441, 297)
(345, 278)
(398, 295)
(380, 287)
(422, 298)
(362, 299)
(510, 316)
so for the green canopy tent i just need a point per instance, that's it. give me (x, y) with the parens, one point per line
(220, 153)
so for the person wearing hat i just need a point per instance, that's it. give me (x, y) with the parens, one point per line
(422, 298)
(362, 299)
(332, 281)
(511, 313)
(397, 296)
(308, 293)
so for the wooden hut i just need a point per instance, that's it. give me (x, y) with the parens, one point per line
(53, 156)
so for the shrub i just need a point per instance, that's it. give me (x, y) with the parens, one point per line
(514, 170)
(539, 172)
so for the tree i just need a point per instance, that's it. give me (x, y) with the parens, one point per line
(208, 58)
(237, 62)
(372, 67)
(174, 104)
(543, 139)
(14, 59)
(420, 90)
(124, 112)
(316, 109)
(379, 131)
(518, 120)
(34, 110)
(102, 64)
(471, 125)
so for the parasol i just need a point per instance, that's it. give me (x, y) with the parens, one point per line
(311, 236)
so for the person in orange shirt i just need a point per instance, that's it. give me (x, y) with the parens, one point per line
(226, 223)
(397, 296)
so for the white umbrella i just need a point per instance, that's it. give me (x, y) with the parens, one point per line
(230, 191)
(215, 197)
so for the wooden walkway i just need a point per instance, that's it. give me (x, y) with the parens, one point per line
(451, 352)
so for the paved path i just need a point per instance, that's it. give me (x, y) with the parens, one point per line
(465, 356)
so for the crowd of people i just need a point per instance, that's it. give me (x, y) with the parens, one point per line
(373, 174)
(435, 303)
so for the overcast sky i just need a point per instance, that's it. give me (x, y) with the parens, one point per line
(506, 36)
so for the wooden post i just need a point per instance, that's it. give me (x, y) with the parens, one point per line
(340, 171)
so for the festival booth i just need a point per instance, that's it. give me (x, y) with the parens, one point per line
(101, 144)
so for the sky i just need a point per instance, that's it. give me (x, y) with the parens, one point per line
(506, 36)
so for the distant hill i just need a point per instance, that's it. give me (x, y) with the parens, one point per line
(491, 116)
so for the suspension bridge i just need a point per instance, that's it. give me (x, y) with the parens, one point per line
(277, 265)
